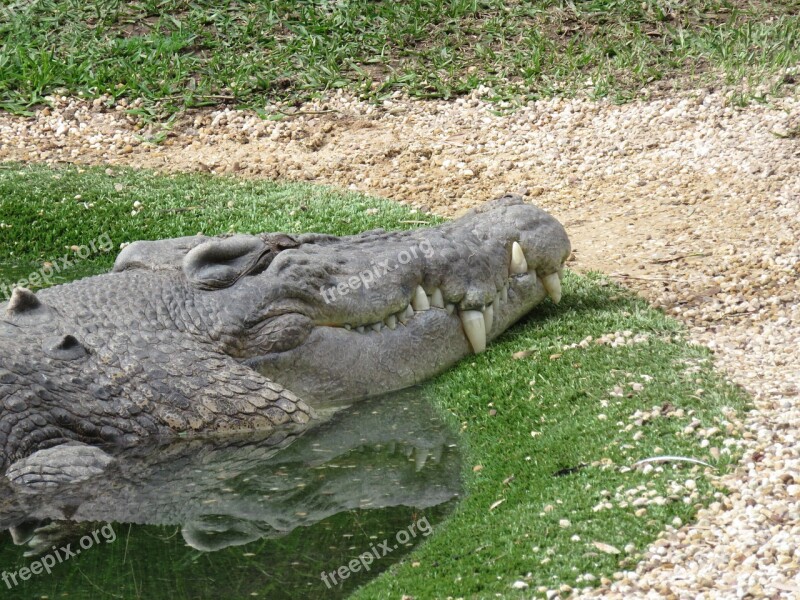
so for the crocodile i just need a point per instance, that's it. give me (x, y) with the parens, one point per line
(244, 332)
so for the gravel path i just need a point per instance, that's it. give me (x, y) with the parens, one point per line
(693, 203)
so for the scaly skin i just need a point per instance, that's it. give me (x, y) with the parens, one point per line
(210, 334)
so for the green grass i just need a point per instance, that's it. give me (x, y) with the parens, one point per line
(177, 53)
(554, 432)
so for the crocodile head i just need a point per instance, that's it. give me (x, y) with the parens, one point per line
(199, 333)
(380, 311)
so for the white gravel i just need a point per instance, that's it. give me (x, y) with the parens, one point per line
(693, 202)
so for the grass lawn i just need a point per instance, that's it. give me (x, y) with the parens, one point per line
(550, 421)
(185, 53)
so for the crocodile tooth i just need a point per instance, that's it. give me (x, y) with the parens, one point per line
(437, 300)
(420, 299)
(450, 308)
(552, 284)
(475, 328)
(391, 322)
(377, 326)
(405, 314)
(518, 263)
(504, 293)
(488, 317)
(421, 457)
(348, 326)
(360, 329)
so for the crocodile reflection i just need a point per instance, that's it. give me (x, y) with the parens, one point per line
(228, 491)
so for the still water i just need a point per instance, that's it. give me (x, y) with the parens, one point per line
(240, 517)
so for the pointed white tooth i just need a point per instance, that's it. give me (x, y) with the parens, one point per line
(420, 299)
(406, 314)
(450, 308)
(488, 317)
(421, 457)
(552, 284)
(391, 322)
(360, 329)
(475, 328)
(377, 326)
(518, 262)
(504, 293)
(348, 326)
(437, 300)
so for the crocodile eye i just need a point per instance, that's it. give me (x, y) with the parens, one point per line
(66, 347)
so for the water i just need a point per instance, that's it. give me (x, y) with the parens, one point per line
(240, 517)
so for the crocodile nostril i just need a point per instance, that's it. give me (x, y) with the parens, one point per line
(66, 347)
